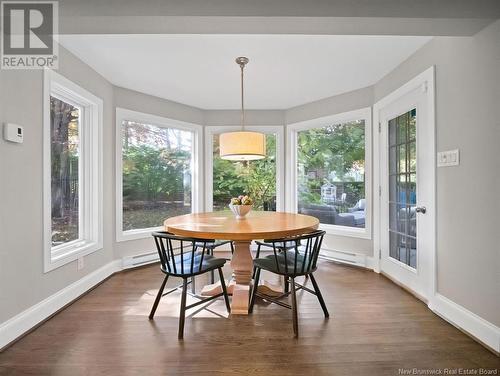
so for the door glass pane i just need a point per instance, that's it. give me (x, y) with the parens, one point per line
(412, 188)
(403, 189)
(402, 122)
(412, 125)
(401, 158)
(392, 132)
(64, 170)
(412, 156)
(254, 178)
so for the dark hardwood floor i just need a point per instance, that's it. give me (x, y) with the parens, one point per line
(375, 328)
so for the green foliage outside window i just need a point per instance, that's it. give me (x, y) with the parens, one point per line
(333, 155)
(256, 179)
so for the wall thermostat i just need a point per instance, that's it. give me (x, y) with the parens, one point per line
(13, 133)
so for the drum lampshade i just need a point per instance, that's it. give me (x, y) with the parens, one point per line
(242, 146)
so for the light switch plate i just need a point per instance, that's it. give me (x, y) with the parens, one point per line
(448, 158)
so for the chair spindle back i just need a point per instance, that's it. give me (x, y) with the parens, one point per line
(183, 259)
(302, 257)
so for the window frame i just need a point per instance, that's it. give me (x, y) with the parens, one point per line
(90, 172)
(196, 172)
(291, 194)
(280, 154)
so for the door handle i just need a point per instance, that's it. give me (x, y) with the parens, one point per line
(421, 209)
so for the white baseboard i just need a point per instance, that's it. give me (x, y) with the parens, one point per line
(18, 325)
(462, 318)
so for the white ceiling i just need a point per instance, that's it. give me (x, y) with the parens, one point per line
(284, 70)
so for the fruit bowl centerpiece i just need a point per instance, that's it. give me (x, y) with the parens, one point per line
(241, 206)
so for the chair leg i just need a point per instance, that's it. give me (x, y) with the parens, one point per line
(182, 316)
(256, 256)
(193, 285)
(224, 290)
(212, 273)
(294, 309)
(318, 294)
(232, 247)
(254, 289)
(286, 285)
(158, 297)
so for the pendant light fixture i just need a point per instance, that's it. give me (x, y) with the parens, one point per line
(242, 145)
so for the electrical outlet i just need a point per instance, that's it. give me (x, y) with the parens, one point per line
(80, 264)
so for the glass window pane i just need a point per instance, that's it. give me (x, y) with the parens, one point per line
(65, 141)
(412, 125)
(412, 222)
(156, 174)
(392, 132)
(393, 160)
(254, 178)
(397, 188)
(397, 246)
(401, 153)
(402, 127)
(331, 173)
(412, 156)
(397, 218)
(412, 188)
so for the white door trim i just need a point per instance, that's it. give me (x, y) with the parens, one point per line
(425, 81)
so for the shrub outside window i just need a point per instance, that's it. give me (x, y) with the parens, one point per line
(156, 174)
(254, 178)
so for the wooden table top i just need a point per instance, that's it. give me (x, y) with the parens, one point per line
(256, 225)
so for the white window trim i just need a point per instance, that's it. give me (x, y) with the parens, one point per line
(91, 220)
(196, 176)
(291, 157)
(280, 151)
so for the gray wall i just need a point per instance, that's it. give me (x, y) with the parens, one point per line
(22, 281)
(252, 117)
(468, 204)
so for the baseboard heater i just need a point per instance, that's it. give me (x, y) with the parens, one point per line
(138, 260)
(344, 257)
(327, 254)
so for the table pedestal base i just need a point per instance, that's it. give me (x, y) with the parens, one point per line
(265, 288)
(239, 286)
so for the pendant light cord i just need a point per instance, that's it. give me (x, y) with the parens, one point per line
(242, 66)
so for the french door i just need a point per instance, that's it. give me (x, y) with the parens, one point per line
(407, 168)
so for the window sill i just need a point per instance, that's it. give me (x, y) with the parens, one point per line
(353, 232)
(66, 253)
(143, 233)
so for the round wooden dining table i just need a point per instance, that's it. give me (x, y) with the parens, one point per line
(256, 225)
